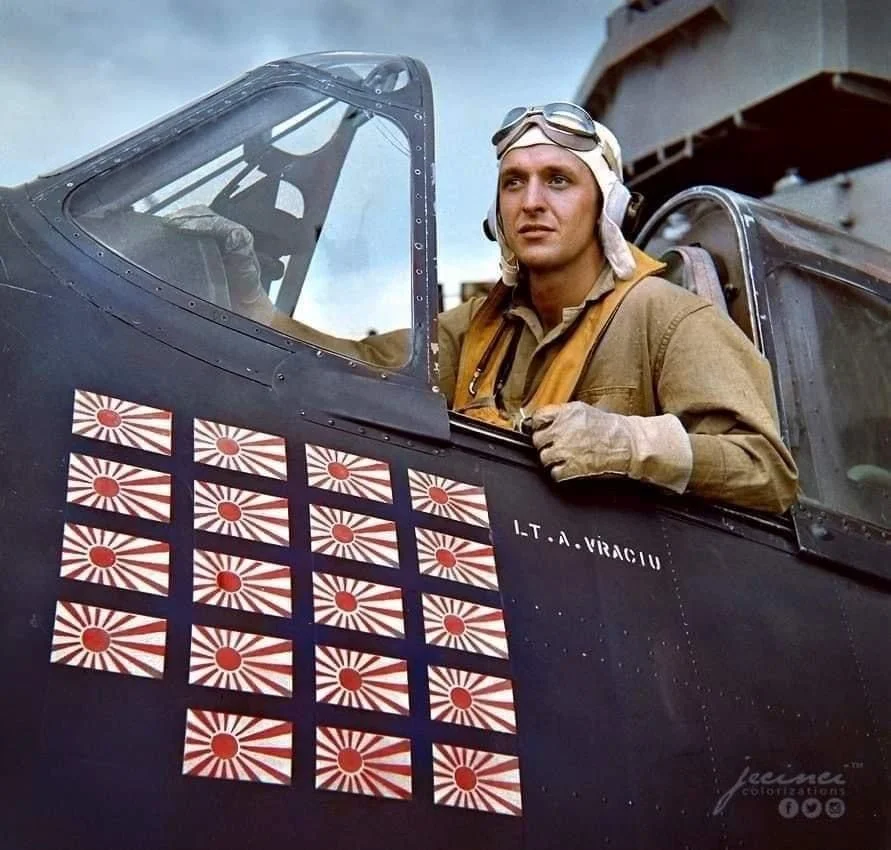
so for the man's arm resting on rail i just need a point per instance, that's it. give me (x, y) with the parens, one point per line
(719, 386)
(717, 436)
(236, 243)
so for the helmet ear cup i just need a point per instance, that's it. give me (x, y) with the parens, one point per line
(623, 207)
(490, 224)
(616, 202)
(632, 214)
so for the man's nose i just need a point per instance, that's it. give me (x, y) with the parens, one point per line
(533, 196)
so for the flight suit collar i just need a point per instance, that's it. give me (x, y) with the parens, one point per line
(521, 306)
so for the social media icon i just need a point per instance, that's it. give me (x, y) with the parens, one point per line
(811, 808)
(835, 808)
(788, 808)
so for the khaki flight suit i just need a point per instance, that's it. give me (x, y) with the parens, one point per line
(665, 350)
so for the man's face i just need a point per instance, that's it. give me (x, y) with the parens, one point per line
(549, 202)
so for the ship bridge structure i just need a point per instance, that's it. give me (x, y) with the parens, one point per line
(789, 101)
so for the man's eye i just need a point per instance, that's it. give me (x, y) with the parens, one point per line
(560, 180)
(510, 183)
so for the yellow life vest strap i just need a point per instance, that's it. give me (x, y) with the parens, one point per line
(487, 342)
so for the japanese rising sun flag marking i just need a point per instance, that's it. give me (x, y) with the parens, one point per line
(240, 661)
(124, 423)
(103, 639)
(363, 763)
(118, 487)
(471, 699)
(361, 680)
(348, 603)
(472, 779)
(241, 513)
(240, 449)
(439, 496)
(353, 536)
(343, 472)
(445, 556)
(241, 583)
(233, 746)
(464, 625)
(117, 560)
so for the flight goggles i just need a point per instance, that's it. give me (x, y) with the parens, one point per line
(565, 124)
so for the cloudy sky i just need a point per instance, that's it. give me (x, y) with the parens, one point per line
(75, 74)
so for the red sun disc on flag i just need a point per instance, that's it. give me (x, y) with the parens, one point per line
(245, 584)
(444, 497)
(124, 423)
(109, 418)
(474, 779)
(237, 747)
(342, 472)
(361, 680)
(363, 763)
(240, 449)
(104, 557)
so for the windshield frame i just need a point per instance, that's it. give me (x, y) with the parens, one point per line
(409, 106)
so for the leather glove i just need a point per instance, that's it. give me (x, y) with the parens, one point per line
(236, 245)
(576, 440)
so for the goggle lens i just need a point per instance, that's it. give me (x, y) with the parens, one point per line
(512, 117)
(569, 117)
(560, 116)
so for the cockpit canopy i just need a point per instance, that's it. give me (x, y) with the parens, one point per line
(294, 196)
(817, 303)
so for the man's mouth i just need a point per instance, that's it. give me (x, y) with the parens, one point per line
(532, 229)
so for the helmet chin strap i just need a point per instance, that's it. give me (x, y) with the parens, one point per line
(616, 198)
(508, 264)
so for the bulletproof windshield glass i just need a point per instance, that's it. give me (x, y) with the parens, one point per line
(838, 345)
(292, 209)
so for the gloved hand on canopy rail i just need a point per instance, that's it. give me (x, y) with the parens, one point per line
(576, 440)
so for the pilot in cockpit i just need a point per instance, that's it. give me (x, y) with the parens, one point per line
(614, 370)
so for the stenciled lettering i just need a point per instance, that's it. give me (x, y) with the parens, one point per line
(595, 545)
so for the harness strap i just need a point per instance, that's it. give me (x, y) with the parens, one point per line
(487, 343)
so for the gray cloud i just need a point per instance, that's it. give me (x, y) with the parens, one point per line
(76, 75)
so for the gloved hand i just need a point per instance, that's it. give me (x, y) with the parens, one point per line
(236, 245)
(576, 440)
